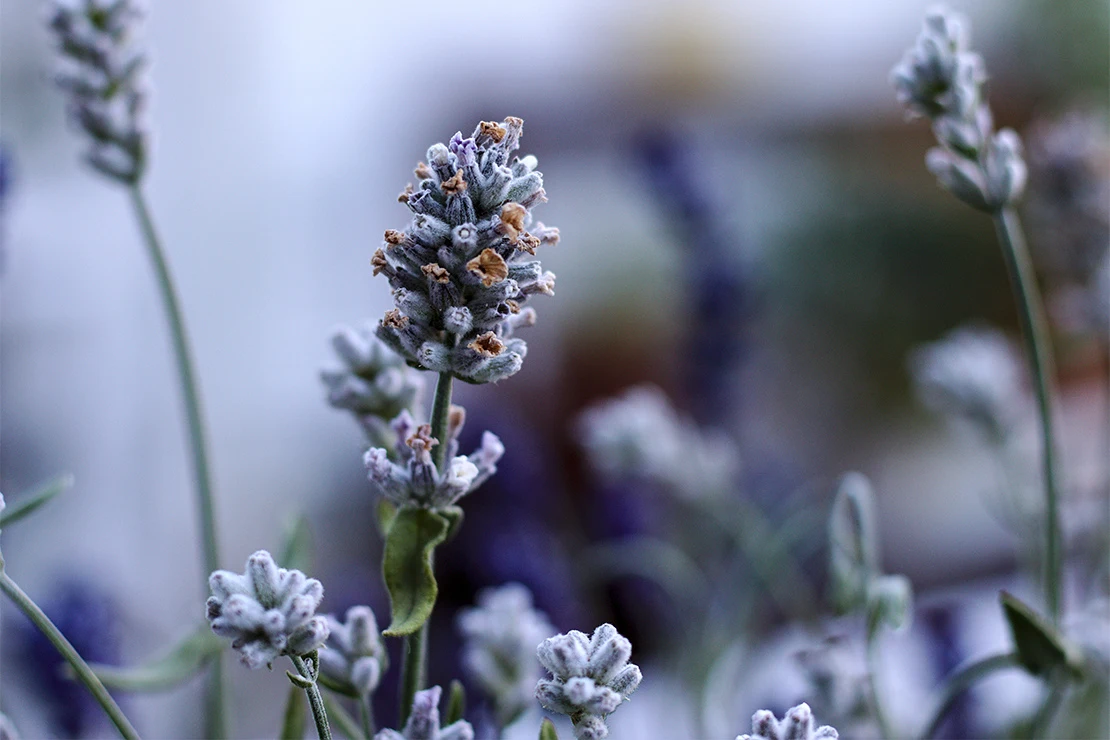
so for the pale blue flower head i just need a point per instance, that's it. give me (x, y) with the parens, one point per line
(423, 722)
(267, 611)
(796, 725)
(355, 658)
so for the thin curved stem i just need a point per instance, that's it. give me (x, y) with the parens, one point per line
(415, 646)
(877, 708)
(961, 679)
(84, 674)
(366, 715)
(319, 713)
(1038, 345)
(216, 721)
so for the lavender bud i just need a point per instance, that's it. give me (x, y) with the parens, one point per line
(423, 722)
(355, 658)
(796, 725)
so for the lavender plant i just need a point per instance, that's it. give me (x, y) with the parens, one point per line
(797, 724)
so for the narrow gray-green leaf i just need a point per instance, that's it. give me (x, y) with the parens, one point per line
(386, 511)
(342, 720)
(1040, 647)
(180, 664)
(27, 503)
(296, 550)
(456, 705)
(547, 730)
(407, 567)
(292, 726)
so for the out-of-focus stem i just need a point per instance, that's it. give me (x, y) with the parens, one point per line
(963, 678)
(1038, 345)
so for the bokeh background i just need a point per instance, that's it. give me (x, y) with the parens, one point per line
(746, 222)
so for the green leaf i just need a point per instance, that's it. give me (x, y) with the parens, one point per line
(547, 730)
(454, 517)
(180, 664)
(456, 705)
(407, 567)
(296, 550)
(31, 501)
(1041, 649)
(342, 720)
(292, 727)
(386, 512)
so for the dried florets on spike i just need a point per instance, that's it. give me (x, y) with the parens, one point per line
(355, 658)
(501, 635)
(410, 478)
(423, 722)
(796, 725)
(590, 678)
(101, 75)
(939, 78)
(267, 611)
(461, 271)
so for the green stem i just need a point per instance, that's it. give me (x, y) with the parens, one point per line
(1042, 722)
(881, 718)
(216, 721)
(963, 678)
(319, 713)
(415, 647)
(1038, 344)
(366, 715)
(67, 651)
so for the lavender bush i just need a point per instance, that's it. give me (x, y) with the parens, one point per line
(731, 569)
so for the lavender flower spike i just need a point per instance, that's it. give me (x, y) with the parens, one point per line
(355, 658)
(941, 79)
(501, 634)
(101, 76)
(796, 725)
(423, 723)
(267, 611)
(590, 678)
(462, 272)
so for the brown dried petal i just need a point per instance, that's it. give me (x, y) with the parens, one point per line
(394, 237)
(528, 243)
(422, 171)
(493, 130)
(422, 439)
(437, 273)
(489, 266)
(487, 345)
(512, 220)
(405, 194)
(394, 319)
(379, 262)
(455, 185)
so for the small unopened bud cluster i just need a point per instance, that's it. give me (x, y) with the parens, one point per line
(100, 75)
(355, 658)
(641, 434)
(590, 678)
(375, 384)
(940, 78)
(411, 478)
(501, 635)
(973, 373)
(267, 611)
(423, 723)
(462, 271)
(796, 725)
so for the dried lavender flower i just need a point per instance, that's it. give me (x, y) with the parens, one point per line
(641, 434)
(941, 79)
(972, 373)
(590, 678)
(462, 271)
(375, 384)
(267, 611)
(355, 658)
(423, 723)
(501, 635)
(796, 725)
(411, 478)
(101, 76)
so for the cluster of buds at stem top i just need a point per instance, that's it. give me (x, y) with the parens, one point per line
(796, 725)
(101, 76)
(501, 635)
(355, 658)
(940, 78)
(973, 373)
(411, 478)
(462, 270)
(423, 722)
(590, 678)
(374, 384)
(267, 611)
(641, 435)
